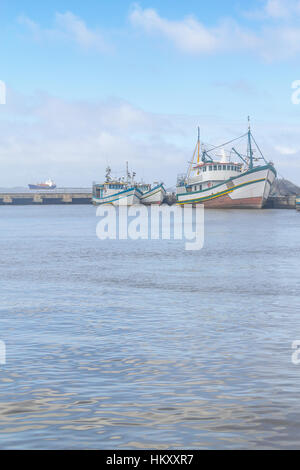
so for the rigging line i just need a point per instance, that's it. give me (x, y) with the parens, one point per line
(258, 148)
(227, 143)
(213, 147)
(191, 163)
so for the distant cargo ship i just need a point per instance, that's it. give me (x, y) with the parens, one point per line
(49, 184)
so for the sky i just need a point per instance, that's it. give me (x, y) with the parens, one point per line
(97, 83)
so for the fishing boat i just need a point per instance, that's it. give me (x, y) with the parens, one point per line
(122, 191)
(230, 180)
(49, 184)
(126, 191)
(154, 194)
(298, 203)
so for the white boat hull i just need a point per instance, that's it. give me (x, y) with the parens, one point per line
(130, 197)
(155, 196)
(249, 190)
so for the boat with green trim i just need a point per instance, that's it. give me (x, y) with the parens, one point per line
(220, 181)
(117, 191)
(126, 191)
(153, 194)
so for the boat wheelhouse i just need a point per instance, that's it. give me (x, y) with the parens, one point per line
(232, 181)
(208, 174)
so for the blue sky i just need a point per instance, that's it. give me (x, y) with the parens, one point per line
(98, 82)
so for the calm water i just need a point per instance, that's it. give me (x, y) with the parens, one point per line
(141, 345)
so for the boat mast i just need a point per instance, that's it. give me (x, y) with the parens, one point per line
(197, 149)
(250, 145)
(199, 145)
(127, 173)
(198, 160)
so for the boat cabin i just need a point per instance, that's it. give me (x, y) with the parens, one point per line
(208, 174)
(144, 187)
(108, 188)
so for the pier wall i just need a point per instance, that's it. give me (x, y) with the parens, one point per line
(281, 202)
(44, 198)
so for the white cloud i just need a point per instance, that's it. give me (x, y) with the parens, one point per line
(271, 42)
(189, 35)
(282, 9)
(277, 9)
(67, 27)
(286, 150)
(74, 141)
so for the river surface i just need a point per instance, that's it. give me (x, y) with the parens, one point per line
(143, 345)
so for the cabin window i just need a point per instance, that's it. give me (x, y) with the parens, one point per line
(210, 168)
(224, 167)
(220, 167)
(215, 167)
(228, 167)
(204, 168)
(200, 187)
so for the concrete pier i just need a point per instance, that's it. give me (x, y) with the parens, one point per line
(63, 197)
(281, 202)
